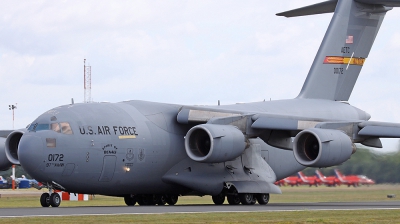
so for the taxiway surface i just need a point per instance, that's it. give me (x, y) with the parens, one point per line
(121, 210)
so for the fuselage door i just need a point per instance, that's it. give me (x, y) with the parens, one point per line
(107, 172)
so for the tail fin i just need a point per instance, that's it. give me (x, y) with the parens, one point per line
(339, 175)
(319, 174)
(346, 45)
(301, 176)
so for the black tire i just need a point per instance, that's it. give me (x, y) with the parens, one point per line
(246, 198)
(139, 199)
(262, 199)
(130, 200)
(55, 200)
(45, 200)
(162, 200)
(218, 199)
(233, 199)
(149, 199)
(254, 200)
(172, 199)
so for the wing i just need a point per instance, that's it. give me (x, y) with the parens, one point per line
(278, 130)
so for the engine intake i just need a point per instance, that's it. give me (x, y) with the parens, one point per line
(4, 162)
(212, 143)
(11, 146)
(316, 147)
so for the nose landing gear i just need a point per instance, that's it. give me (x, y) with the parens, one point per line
(53, 200)
(50, 199)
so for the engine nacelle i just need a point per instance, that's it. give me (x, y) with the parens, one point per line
(213, 143)
(316, 147)
(11, 146)
(5, 164)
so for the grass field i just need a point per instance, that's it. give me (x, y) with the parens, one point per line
(290, 194)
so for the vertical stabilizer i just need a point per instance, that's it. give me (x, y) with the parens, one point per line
(339, 175)
(343, 51)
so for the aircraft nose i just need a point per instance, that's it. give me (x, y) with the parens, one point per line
(30, 152)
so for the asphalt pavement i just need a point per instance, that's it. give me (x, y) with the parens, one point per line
(122, 210)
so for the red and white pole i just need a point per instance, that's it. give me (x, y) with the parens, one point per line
(13, 177)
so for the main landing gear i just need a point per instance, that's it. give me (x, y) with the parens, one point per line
(243, 198)
(151, 199)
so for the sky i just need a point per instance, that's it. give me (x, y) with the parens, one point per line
(182, 52)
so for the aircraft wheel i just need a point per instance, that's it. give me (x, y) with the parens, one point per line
(149, 199)
(172, 199)
(55, 200)
(254, 200)
(45, 200)
(262, 199)
(218, 199)
(162, 200)
(130, 200)
(246, 198)
(233, 199)
(139, 199)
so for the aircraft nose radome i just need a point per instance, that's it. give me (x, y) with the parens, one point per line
(30, 152)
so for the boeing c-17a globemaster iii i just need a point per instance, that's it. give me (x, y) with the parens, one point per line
(151, 153)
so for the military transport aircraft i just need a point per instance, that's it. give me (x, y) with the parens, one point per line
(151, 153)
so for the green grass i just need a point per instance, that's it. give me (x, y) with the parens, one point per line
(370, 216)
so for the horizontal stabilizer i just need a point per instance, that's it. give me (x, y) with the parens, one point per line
(319, 8)
(387, 3)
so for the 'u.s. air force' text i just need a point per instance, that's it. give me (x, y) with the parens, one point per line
(107, 130)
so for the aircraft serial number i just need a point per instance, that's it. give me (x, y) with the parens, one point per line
(338, 71)
(55, 157)
(54, 164)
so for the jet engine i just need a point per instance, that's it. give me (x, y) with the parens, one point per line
(4, 162)
(11, 146)
(212, 143)
(316, 147)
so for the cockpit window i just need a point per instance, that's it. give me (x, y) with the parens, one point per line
(39, 127)
(62, 127)
(56, 127)
(66, 128)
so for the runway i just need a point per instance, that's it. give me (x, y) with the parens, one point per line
(124, 210)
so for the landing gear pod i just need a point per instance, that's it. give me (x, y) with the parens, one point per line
(316, 147)
(212, 143)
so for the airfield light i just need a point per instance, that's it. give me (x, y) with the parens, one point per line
(12, 107)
